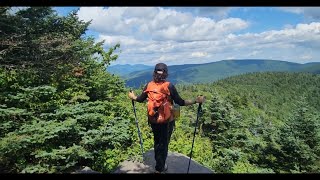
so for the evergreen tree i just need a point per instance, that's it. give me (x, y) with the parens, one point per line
(59, 108)
(299, 139)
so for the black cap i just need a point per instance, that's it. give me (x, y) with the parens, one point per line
(161, 67)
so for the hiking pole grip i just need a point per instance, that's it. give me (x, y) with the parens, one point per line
(199, 110)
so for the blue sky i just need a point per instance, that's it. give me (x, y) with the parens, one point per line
(187, 35)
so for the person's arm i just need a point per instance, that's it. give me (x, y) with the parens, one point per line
(189, 102)
(175, 95)
(181, 102)
(143, 96)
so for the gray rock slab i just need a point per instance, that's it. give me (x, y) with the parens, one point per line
(177, 163)
(86, 170)
(133, 167)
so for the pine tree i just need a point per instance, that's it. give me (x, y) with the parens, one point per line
(300, 140)
(59, 107)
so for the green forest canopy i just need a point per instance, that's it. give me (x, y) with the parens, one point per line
(60, 109)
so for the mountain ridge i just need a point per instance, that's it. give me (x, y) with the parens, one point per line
(212, 71)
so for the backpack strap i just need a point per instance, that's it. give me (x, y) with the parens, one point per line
(153, 87)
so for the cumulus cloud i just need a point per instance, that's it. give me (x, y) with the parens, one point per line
(200, 29)
(152, 34)
(307, 35)
(157, 23)
(106, 20)
(123, 40)
(287, 44)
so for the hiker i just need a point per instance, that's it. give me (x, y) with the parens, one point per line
(161, 118)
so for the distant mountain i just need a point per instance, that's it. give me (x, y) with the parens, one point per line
(311, 67)
(123, 70)
(209, 72)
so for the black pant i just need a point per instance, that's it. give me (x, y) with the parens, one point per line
(161, 136)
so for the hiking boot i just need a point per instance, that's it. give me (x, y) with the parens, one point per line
(163, 171)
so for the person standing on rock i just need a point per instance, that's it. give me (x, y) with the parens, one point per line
(162, 95)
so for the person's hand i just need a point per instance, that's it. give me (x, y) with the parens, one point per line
(200, 99)
(132, 95)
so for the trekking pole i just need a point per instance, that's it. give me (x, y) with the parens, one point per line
(135, 115)
(194, 134)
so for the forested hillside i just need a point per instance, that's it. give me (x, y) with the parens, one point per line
(259, 122)
(210, 72)
(124, 70)
(60, 109)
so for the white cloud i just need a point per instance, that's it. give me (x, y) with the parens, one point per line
(212, 12)
(165, 58)
(253, 53)
(287, 44)
(199, 54)
(157, 23)
(140, 12)
(307, 35)
(306, 57)
(106, 20)
(152, 34)
(199, 29)
(123, 40)
(309, 12)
